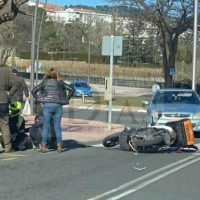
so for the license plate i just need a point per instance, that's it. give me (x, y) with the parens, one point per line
(174, 120)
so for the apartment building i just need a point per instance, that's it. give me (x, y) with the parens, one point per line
(85, 16)
(57, 13)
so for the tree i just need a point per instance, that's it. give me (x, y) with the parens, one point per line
(8, 12)
(171, 18)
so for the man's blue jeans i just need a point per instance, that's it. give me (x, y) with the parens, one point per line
(52, 110)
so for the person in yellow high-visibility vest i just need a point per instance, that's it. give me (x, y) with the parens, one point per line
(17, 127)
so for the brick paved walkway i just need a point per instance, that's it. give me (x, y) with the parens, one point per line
(83, 130)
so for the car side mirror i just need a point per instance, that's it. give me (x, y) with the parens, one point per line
(145, 103)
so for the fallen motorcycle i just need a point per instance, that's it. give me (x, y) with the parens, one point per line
(35, 133)
(176, 135)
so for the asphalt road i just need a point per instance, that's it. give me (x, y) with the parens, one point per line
(126, 118)
(90, 172)
(118, 91)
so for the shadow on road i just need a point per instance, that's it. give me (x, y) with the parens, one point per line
(73, 144)
(67, 144)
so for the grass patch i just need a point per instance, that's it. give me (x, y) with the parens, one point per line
(119, 101)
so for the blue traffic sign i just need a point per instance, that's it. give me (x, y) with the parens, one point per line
(172, 71)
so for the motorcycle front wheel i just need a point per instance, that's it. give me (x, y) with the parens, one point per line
(111, 140)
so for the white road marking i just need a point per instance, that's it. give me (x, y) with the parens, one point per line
(114, 109)
(101, 145)
(83, 107)
(65, 106)
(97, 145)
(143, 111)
(8, 159)
(145, 183)
(12, 155)
(191, 159)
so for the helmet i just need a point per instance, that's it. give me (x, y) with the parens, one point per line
(15, 71)
(15, 106)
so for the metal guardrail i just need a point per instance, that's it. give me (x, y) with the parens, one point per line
(98, 80)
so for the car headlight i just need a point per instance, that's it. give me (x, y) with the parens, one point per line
(154, 114)
(79, 91)
(196, 116)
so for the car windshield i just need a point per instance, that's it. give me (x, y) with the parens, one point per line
(174, 97)
(81, 84)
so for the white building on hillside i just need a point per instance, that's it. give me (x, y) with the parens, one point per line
(82, 15)
(86, 16)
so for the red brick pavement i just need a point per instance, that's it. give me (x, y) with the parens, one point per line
(83, 130)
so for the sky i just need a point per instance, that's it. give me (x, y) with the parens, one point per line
(78, 2)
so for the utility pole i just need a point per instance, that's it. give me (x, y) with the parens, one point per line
(114, 20)
(38, 43)
(33, 55)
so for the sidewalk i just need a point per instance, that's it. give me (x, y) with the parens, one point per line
(83, 131)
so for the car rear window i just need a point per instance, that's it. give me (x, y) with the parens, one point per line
(176, 97)
(81, 85)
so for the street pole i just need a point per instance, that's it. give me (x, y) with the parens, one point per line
(111, 82)
(195, 44)
(38, 44)
(33, 56)
(89, 51)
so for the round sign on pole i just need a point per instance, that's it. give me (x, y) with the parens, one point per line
(155, 87)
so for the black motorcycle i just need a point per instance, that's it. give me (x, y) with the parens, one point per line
(35, 132)
(146, 139)
(174, 135)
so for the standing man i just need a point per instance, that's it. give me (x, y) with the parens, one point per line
(22, 89)
(7, 80)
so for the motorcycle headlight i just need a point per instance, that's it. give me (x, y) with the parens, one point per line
(196, 116)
